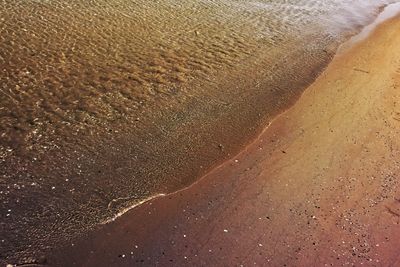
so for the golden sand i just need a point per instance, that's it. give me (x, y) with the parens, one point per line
(106, 103)
(319, 187)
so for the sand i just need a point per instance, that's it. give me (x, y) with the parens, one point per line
(318, 187)
(106, 103)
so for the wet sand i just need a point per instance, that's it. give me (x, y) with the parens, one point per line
(319, 187)
(104, 104)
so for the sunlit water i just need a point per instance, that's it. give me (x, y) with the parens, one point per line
(106, 103)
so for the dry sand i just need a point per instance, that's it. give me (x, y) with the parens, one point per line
(318, 187)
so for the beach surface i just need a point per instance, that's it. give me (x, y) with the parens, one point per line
(105, 104)
(319, 186)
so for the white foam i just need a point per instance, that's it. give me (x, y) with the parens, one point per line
(389, 12)
(123, 211)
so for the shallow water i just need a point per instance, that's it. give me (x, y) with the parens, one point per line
(389, 12)
(106, 103)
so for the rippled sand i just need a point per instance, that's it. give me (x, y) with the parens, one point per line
(105, 103)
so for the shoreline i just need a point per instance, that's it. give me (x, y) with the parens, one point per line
(107, 140)
(389, 12)
(292, 133)
(112, 163)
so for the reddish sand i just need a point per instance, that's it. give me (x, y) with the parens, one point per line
(319, 187)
